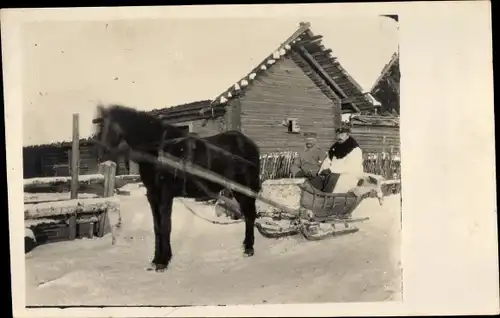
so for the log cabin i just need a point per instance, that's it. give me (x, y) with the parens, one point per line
(298, 87)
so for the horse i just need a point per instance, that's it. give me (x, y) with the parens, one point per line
(230, 154)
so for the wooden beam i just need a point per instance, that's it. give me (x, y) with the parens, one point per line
(75, 158)
(324, 74)
(349, 100)
(314, 40)
(328, 51)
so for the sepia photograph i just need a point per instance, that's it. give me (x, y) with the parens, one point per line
(262, 168)
(178, 159)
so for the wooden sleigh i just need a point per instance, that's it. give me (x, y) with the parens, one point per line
(320, 215)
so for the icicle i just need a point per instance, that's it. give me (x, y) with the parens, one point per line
(223, 100)
(276, 55)
(237, 87)
(282, 52)
(252, 76)
(263, 67)
(271, 61)
(229, 95)
(244, 83)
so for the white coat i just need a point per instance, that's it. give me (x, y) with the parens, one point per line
(349, 167)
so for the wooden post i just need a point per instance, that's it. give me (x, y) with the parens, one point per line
(72, 227)
(108, 169)
(109, 172)
(75, 156)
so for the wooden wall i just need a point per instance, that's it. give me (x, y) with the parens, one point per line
(211, 127)
(285, 91)
(41, 161)
(377, 138)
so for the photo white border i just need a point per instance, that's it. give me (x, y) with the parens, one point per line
(449, 241)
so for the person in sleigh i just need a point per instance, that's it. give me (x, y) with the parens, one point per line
(343, 166)
(342, 169)
(308, 161)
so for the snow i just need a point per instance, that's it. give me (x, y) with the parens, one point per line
(86, 178)
(46, 197)
(47, 209)
(208, 267)
(29, 233)
(52, 180)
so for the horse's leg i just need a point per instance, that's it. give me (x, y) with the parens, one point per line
(247, 207)
(165, 210)
(153, 202)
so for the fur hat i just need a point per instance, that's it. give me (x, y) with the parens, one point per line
(343, 129)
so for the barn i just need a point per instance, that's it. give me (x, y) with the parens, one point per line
(298, 87)
(386, 87)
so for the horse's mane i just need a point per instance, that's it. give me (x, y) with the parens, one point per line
(141, 124)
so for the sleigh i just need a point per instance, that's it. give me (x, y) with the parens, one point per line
(319, 215)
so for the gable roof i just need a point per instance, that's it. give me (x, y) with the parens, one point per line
(393, 63)
(316, 61)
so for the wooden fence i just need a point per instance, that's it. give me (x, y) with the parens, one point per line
(50, 216)
(277, 165)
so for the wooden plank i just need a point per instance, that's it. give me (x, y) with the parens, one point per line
(69, 207)
(75, 156)
(32, 184)
(32, 198)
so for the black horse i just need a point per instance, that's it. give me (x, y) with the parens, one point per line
(121, 129)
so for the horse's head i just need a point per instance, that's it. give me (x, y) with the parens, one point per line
(109, 135)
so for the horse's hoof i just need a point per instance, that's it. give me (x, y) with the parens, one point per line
(248, 252)
(161, 268)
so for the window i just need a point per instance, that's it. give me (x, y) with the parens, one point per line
(293, 126)
(186, 128)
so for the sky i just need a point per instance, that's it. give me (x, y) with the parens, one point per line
(70, 66)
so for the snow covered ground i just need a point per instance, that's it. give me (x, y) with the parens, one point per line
(208, 267)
